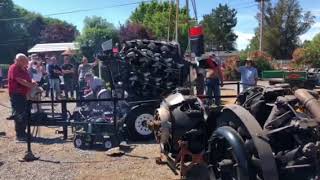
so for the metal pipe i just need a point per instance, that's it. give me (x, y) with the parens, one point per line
(309, 102)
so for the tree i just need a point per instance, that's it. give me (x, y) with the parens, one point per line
(57, 33)
(298, 55)
(218, 28)
(160, 18)
(21, 29)
(283, 24)
(96, 30)
(131, 31)
(312, 51)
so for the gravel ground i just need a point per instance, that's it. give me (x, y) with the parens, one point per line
(60, 160)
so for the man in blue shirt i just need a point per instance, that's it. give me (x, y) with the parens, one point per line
(249, 75)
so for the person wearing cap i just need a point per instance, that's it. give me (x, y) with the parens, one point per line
(214, 78)
(85, 68)
(19, 85)
(68, 77)
(249, 74)
(94, 83)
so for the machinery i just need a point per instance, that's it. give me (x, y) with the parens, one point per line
(296, 79)
(271, 133)
(149, 69)
(100, 123)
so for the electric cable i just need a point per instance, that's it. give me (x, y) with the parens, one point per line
(80, 10)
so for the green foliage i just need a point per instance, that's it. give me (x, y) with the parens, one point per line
(283, 24)
(312, 51)
(160, 18)
(218, 27)
(5, 68)
(18, 35)
(262, 64)
(96, 30)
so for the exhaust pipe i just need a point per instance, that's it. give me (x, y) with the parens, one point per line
(309, 102)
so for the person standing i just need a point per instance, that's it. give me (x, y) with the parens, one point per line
(68, 77)
(19, 85)
(83, 69)
(46, 76)
(54, 77)
(36, 70)
(249, 74)
(214, 79)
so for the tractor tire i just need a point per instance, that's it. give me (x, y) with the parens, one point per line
(136, 122)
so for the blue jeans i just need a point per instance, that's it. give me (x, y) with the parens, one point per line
(213, 86)
(55, 86)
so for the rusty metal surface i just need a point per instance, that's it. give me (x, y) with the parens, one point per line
(269, 167)
(309, 102)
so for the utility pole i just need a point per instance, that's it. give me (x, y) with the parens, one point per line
(261, 24)
(188, 24)
(177, 19)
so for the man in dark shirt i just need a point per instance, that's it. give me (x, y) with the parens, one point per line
(54, 77)
(19, 85)
(68, 77)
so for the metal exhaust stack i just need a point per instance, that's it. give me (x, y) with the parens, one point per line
(309, 102)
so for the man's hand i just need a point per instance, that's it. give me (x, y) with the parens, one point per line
(34, 84)
(221, 84)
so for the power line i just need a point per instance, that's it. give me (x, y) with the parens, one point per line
(80, 10)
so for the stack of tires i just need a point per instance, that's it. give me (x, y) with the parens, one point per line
(154, 68)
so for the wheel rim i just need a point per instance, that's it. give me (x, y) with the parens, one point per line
(259, 150)
(78, 142)
(108, 144)
(141, 124)
(226, 163)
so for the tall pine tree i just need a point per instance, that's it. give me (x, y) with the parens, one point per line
(218, 28)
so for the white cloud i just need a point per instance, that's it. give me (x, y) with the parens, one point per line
(314, 30)
(316, 25)
(243, 39)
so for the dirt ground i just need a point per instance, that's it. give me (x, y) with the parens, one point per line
(60, 160)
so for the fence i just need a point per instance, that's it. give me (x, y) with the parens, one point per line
(65, 122)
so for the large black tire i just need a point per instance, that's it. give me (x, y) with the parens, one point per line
(136, 122)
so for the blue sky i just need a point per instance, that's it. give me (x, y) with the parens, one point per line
(244, 29)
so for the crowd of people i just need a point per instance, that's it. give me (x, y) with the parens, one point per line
(210, 78)
(26, 73)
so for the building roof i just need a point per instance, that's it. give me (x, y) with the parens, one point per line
(53, 47)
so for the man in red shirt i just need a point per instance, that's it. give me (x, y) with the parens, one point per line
(19, 85)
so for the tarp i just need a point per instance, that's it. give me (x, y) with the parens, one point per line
(53, 47)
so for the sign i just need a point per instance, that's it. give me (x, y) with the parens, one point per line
(107, 45)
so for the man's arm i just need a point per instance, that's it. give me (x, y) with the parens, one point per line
(67, 71)
(23, 82)
(95, 63)
(79, 69)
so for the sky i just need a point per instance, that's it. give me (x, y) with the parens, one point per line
(247, 9)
